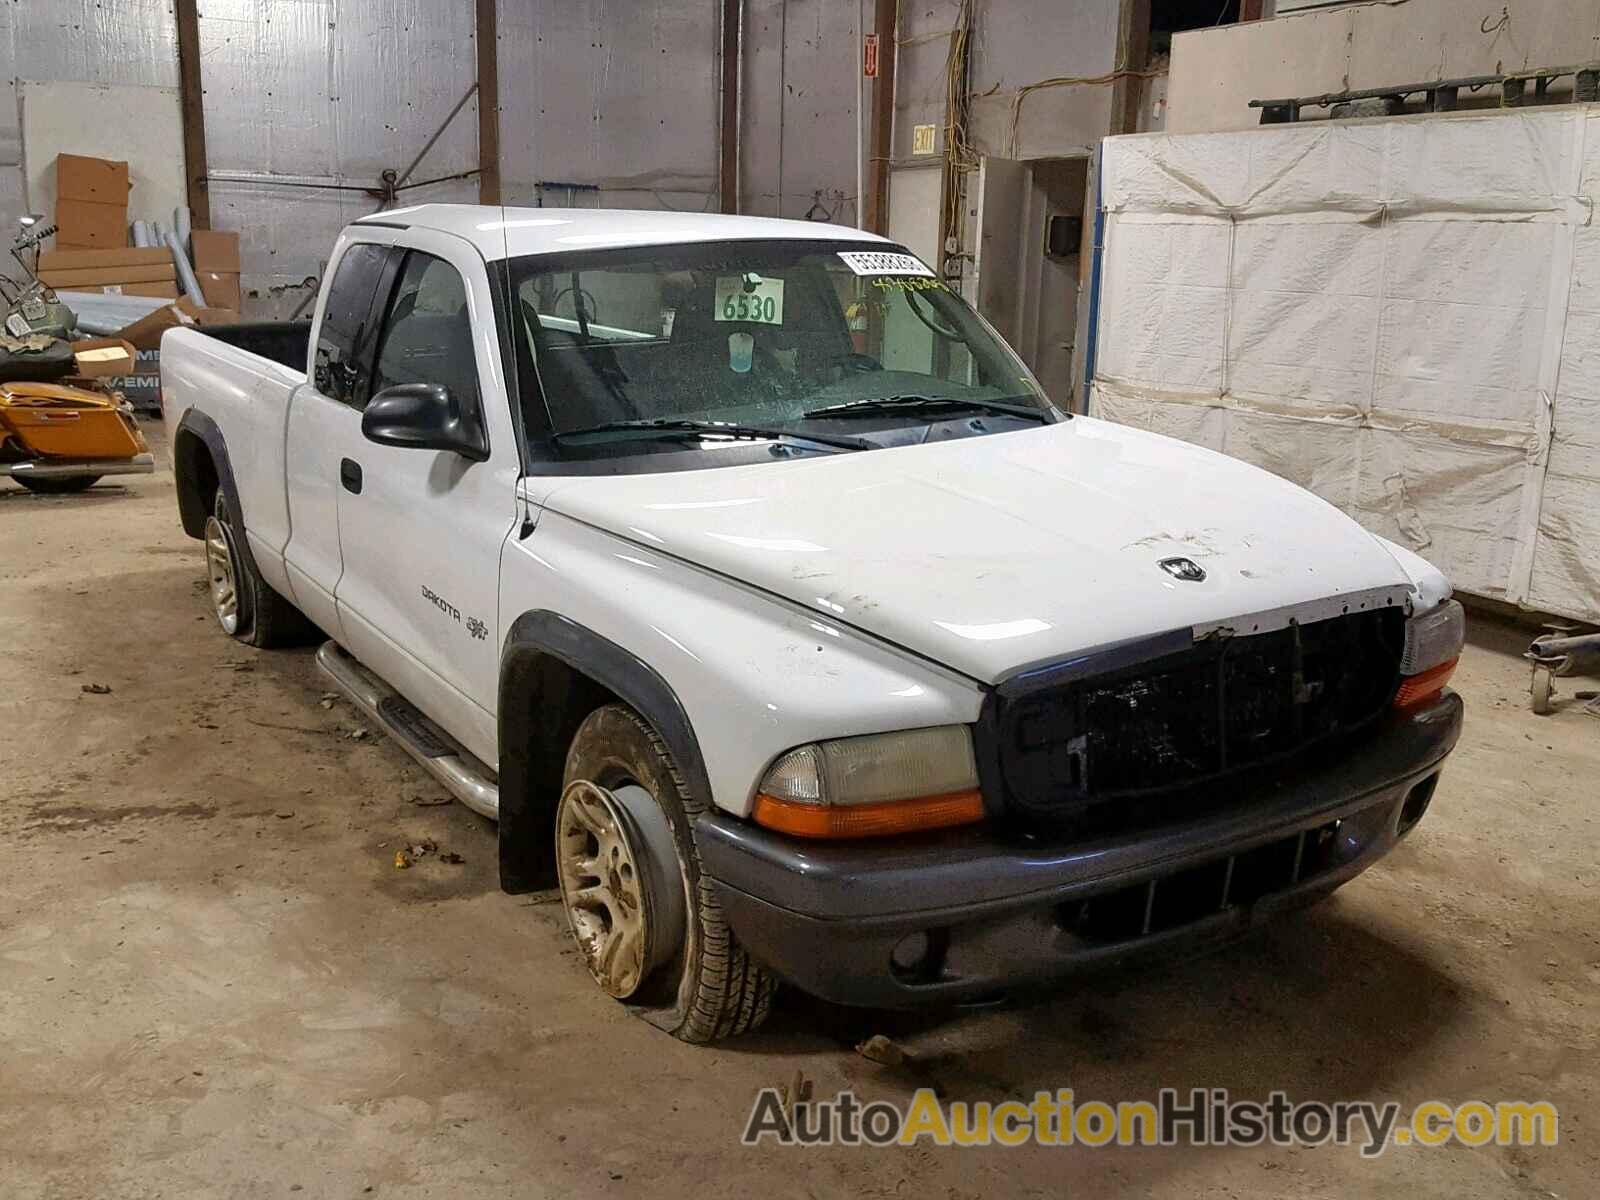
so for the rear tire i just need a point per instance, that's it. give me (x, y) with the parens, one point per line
(257, 615)
(58, 487)
(716, 989)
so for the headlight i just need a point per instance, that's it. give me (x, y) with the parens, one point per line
(1433, 645)
(883, 783)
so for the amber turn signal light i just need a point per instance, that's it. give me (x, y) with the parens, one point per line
(868, 820)
(1416, 689)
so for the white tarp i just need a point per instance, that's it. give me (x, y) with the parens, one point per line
(1402, 315)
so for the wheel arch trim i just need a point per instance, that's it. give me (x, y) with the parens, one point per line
(527, 760)
(192, 507)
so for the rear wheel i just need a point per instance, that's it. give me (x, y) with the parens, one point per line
(245, 607)
(58, 486)
(643, 914)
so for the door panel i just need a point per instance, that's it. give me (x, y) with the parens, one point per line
(323, 423)
(318, 429)
(421, 540)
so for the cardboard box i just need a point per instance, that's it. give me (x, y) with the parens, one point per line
(127, 256)
(91, 202)
(84, 225)
(98, 358)
(207, 314)
(221, 289)
(95, 179)
(161, 291)
(74, 281)
(215, 250)
(145, 333)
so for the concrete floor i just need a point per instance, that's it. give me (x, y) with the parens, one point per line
(213, 981)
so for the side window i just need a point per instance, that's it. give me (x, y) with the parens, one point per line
(344, 340)
(427, 337)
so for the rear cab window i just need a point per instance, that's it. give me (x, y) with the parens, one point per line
(342, 362)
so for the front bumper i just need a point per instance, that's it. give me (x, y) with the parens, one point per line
(971, 914)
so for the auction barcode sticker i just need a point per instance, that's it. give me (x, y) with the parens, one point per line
(877, 262)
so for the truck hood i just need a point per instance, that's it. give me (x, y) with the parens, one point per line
(992, 553)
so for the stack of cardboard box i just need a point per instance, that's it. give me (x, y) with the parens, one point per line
(216, 262)
(128, 270)
(91, 203)
(92, 254)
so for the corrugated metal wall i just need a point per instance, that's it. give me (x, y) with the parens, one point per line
(621, 94)
(1016, 46)
(800, 108)
(78, 40)
(326, 92)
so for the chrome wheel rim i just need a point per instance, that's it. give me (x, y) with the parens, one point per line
(219, 574)
(601, 888)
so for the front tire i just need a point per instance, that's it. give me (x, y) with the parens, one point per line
(58, 487)
(698, 972)
(247, 609)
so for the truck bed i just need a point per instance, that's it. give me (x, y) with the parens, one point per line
(283, 342)
(241, 378)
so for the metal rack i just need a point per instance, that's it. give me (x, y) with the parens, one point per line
(1442, 95)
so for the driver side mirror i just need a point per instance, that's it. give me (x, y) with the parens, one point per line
(423, 416)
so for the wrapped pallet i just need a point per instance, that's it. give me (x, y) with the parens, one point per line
(1399, 314)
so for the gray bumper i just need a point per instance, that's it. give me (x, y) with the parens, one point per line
(986, 913)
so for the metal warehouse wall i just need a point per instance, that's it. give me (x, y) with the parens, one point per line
(76, 40)
(1016, 46)
(622, 94)
(799, 107)
(326, 92)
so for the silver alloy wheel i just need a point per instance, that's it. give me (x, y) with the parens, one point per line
(220, 575)
(601, 888)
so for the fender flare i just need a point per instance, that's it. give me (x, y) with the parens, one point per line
(191, 508)
(535, 727)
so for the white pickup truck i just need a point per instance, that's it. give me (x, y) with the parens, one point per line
(748, 580)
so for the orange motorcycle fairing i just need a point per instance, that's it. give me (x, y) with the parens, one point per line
(51, 420)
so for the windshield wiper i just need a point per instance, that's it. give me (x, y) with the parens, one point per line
(914, 404)
(680, 429)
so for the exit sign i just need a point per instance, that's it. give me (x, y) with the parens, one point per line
(869, 56)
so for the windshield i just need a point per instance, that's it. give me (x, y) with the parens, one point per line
(761, 334)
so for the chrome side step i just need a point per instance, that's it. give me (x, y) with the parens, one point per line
(462, 775)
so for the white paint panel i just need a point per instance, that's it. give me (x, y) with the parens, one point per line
(142, 126)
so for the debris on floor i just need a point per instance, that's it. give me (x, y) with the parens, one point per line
(414, 852)
(796, 1091)
(880, 1049)
(96, 689)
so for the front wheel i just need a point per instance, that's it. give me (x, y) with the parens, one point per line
(640, 908)
(58, 486)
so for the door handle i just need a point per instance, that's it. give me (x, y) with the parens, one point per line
(350, 475)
